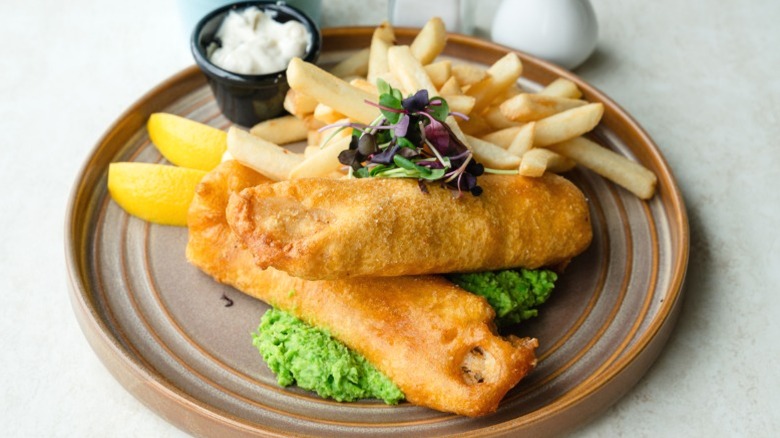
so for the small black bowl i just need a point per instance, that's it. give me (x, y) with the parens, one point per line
(249, 99)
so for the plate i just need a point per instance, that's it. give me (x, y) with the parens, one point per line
(166, 332)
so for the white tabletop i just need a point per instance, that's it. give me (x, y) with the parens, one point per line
(703, 77)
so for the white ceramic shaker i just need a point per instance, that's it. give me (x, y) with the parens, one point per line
(561, 31)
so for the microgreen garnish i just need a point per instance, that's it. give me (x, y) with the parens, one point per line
(411, 140)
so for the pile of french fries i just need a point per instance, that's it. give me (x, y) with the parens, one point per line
(507, 128)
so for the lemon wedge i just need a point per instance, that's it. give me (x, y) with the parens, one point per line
(154, 192)
(185, 142)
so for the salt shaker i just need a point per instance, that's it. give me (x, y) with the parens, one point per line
(560, 31)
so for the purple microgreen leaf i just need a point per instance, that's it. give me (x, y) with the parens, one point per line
(385, 157)
(423, 187)
(459, 115)
(408, 152)
(402, 126)
(438, 137)
(475, 168)
(351, 158)
(367, 145)
(416, 102)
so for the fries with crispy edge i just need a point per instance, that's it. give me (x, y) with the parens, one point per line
(281, 130)
(439, 72)
(451, 87)
(498, 120)
(523, 141)
(381, 41)
(550, 141)
(501, 75)
(460, 103)
(271, 160)
(355, 64)
(476, 125)
(567, 125)
(492, 156)
(536, 161)
(468, 74)
(562, 87)
(321, 163)
(364, 85)
(631, 175)
(326, 114)
(299, 105)
(409, 71)
(528, 107)
(430, 41)
(502, 137)
(329, 90)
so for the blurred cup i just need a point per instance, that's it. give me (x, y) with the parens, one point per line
(457, 15)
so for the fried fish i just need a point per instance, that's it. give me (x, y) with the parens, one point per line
(333, 229)
(435, 341)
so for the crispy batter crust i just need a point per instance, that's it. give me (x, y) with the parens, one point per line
(434, 340)
(332, 229)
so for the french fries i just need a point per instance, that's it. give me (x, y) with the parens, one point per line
(497, 119)
(282, 130)
(438, 72)
(326, 114)
(523, 141)
(430, 41)
(311, 80)
(502, 137)
(269, 159)
(468, 74)
(381, 41)
(451, 87)
(562, 88)
(409, 71)
(364, 85)
(567, 125)
(501, 75)
(492, 156)
(460, 103)
(537, 161)
(299, 105)
(507, 128)
(353, 65)
(321, 163)
(631, 175)
(476, 125)
(529, 107)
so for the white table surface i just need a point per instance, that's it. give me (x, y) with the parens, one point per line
(703, 77)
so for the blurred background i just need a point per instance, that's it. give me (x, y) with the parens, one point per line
(700, 76)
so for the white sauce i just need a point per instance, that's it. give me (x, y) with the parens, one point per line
(253, 43)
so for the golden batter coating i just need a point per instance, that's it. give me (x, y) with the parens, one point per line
(331, 229)
(436, 341)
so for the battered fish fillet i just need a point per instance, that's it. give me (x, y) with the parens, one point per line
(436, 341)
(331, 229)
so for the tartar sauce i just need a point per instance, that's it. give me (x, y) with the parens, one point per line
(253, 43)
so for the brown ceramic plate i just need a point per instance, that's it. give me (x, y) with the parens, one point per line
(163, 328)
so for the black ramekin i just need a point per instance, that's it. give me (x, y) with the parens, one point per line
(249, 99)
